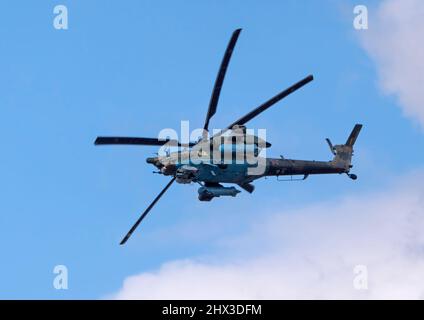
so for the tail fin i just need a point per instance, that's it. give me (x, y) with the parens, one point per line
(353, 135)
(343, 152)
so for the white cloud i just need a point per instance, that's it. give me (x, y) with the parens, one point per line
(309, 253)
(394, 41)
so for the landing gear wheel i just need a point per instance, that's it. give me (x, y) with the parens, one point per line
(352, 176)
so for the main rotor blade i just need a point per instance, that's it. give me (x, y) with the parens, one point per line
(213, 103)
(128, 235)
(136, 141)
(255, 112)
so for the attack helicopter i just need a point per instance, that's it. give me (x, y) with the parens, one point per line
(232, 155)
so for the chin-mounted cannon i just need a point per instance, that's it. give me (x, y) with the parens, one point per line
(186, 174)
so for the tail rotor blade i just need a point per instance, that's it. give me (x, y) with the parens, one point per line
(128, 235)
(330, 145)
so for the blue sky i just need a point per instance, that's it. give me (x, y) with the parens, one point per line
(136, 67)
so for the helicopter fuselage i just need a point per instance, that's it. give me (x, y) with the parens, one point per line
(208, 171)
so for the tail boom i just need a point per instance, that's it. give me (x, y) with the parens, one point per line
(341, 163)
(289, 167)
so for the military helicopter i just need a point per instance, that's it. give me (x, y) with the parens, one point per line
(232, 155)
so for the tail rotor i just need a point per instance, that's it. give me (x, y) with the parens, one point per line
(343, 152)
(332, 149)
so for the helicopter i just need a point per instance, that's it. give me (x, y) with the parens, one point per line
(232, 155)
